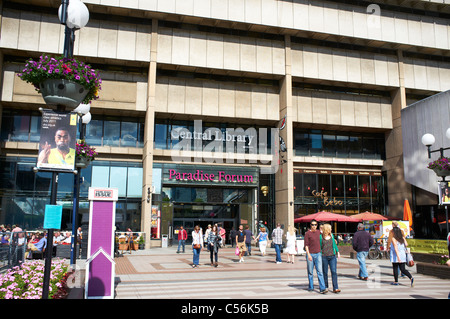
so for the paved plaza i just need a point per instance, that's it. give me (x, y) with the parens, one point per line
(161, 273)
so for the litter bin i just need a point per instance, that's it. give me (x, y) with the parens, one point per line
(165, 241)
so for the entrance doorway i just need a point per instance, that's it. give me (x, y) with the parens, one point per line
(225, 215)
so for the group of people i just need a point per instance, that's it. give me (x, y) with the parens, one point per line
(397, 246)
(34, 241)
(320, 246)
(212, 240)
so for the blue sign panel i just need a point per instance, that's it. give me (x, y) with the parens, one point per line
(52, 217)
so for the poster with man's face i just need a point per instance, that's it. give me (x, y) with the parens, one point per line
(444, 193)
(58, 141)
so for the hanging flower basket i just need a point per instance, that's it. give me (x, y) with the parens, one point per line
(85, 154)
(62, 92)
(82, 162)
(440, 166)
(62, 81)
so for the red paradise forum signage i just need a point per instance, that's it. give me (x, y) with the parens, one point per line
(200, 176)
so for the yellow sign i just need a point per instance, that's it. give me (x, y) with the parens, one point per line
(73, 119)
(427, 246)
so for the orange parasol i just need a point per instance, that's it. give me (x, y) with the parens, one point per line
(366, 216)
(407, 213)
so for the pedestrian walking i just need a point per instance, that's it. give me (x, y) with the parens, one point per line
(361, 244)
(197, 244)
(232, 237)
(248, 240)
(262, 237)
(398, 255)
(277, 239)
(213, 242)
(314, 257)
(205, 236)
(182, 236)
(222, 233)
(330, 254)
(240, 242)
(291, 238)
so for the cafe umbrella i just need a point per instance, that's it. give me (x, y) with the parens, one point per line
(367, 216)
(325, 217)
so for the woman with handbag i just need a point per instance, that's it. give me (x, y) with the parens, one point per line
(398, 255)
(197, 244)
(214, 240)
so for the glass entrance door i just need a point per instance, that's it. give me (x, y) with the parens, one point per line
(188, 216)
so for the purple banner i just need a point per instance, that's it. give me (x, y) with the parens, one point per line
(101, 236)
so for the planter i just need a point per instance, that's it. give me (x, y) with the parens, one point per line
(82, 162)
(141, 246)
(440, 271)
(441, 172)
(62, 92)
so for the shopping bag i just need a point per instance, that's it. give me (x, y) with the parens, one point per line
(237, 251)
(409, 259)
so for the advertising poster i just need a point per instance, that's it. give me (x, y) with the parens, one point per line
(58, 141)
(444, 193)
(403, 224)
(156, 222)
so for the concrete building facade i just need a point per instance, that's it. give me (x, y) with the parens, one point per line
(332, 76)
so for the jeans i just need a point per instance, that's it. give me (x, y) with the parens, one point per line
(181, 242)
(317, 262)
(361, 256)
(212, 254)
(249, 248)
(332, 262)
(196, 257)
(278, 251)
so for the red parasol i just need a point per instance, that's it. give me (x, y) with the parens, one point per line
(324, 217)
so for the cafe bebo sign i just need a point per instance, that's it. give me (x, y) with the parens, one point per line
(324, 196)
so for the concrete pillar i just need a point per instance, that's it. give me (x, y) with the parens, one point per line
(398, 188)
(147, 157)
(284, 177)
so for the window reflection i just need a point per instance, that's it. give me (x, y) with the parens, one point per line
(358, 193)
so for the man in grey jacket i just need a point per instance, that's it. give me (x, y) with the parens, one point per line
(361, 244)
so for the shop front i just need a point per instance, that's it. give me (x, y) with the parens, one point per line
(339, 191)
(189, 195)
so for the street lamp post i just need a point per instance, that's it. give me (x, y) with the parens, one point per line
(74, 15)
(428, 140)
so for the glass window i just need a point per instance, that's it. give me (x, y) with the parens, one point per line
(134, 183)
(329, 144)
(94, 132)
(342, 146)
(301, 143)
(161, 135)
(35, 128)
(118, 178)
(141, 134)
(111, 135)
(316, 143)
(351, 194)
(129, 134)
(355, 146)
(25, 176)
(7, 125)
(100, 176)
(364, 193)
(370, 147)
(21, 128)
(309, 185)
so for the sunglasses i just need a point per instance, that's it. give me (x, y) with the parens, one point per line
(313, 224)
